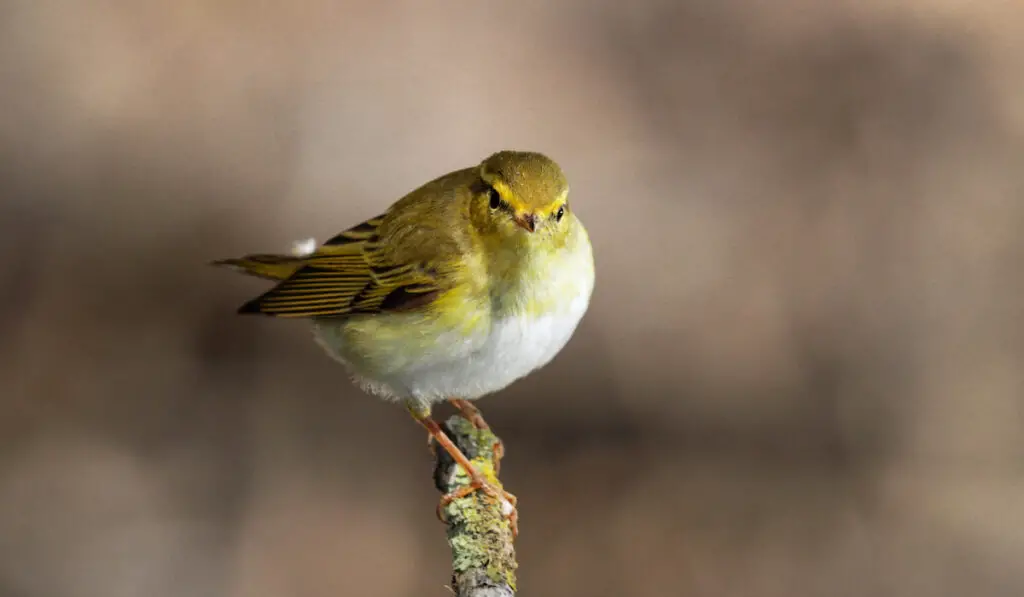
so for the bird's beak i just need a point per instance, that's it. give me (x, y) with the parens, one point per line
(527, 222)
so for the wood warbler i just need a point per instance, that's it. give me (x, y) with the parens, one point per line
(460, 288)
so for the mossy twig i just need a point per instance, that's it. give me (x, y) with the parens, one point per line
(483, 556)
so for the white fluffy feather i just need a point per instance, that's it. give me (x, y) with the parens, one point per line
(302, 248)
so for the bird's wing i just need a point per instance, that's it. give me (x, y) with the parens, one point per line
(355, 272)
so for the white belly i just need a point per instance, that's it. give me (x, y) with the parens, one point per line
(514, 347)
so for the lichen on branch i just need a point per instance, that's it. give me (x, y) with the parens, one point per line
(479, 533)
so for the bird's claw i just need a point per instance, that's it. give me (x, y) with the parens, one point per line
(512, 514)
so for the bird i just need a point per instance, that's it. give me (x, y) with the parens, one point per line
(463, 286)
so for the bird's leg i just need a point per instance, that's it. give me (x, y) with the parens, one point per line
(474, 416)
(476, 481)
(470, 412)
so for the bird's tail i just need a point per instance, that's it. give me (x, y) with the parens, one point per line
(270, 267)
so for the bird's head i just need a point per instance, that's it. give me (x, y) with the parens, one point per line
(521, 195)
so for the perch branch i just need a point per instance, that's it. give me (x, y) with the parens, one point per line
(483, 556)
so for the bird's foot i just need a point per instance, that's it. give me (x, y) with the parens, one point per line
(478, 483)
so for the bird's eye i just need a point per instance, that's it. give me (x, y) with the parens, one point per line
(560, 213)
(495, 198)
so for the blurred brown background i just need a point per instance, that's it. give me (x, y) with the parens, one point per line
(799, 375)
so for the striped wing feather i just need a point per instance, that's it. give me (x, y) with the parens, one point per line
(350, 274)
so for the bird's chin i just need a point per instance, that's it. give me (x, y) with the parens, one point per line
(526, 237)
(511, 230)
